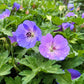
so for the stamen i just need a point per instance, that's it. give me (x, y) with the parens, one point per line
(28, 34)
(52, 48)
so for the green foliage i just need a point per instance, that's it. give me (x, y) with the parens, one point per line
(7, 31)
(77, 20)
(64, 78)
(35, 80)
(73, 62)
(57, 20)
(29, 75)
(20, 52)
(37, 66)
(4, 67)
(16, 80)
(48, 79)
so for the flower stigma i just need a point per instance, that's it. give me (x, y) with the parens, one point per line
(52, 49)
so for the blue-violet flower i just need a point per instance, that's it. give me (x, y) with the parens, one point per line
(67, 25)
(13, 38)
(16, 6)
(70, 14)
(82, 15)
(28, 33)
(74, 73)
(70, 7)
(5, 14)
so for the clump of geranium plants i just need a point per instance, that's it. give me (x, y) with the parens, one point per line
(41, 42)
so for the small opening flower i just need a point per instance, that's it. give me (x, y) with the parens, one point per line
(70, 14)
(67, 25)
(70, 7)
(74, 73)
(5, 14)
(13, 38)
(16, 6)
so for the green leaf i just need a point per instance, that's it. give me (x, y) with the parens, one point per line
(48, 79)
(20, 51)
(55, 69)
(29, 75)
(7, 31)
(38, 65)
(77, 20)
(64, 78)
(16, 80)
(36, 80)
(4, 68)
(73, 62)
(79, 80)
(3, 6)
(81, 53)
(49, 67)
(57, 20)
(29, 62)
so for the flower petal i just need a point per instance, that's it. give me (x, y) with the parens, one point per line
(13, 38)
(37, 32)
(47, 40)
(60, 42)
(21, 30)
(74, 73)
(30, 24)
(26, 27)
(71, 26)
(65, 25)
(21, 39)
(82, 15)
(62, 53)
(44, 50)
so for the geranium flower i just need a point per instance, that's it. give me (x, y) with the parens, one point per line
(72, 25)
(13, 38)
(74, 73)
(16, 6)
(67, 25)
(28, 33)
(5, 14)
(70, 14)
(82, 15)
(54, 48)
(70, 7)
